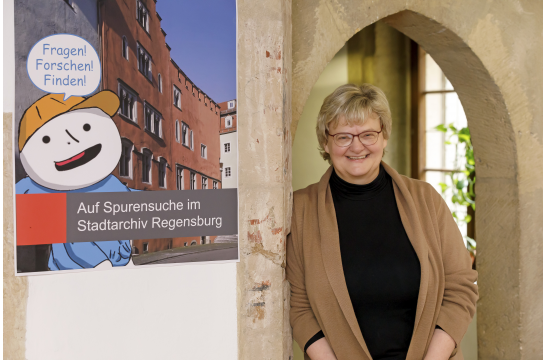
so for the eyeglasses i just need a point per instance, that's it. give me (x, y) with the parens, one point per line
(366, 138)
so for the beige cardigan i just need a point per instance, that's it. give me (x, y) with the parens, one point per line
(319, 296)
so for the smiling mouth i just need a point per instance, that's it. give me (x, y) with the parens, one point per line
(80, 159)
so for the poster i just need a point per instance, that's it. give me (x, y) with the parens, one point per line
(125, 142)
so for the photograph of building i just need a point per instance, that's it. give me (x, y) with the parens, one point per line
(170, 128)
(228, 139)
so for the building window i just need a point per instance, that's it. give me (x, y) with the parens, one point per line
(191, 139)
(128, 102)
(152, 120)
(194, 242)
(442, 163)
(144, 61)
(160, 83)
(179, 178)
(231, 104)
(185, 134)
(177, 98)
(185, 243)
(193, 181)
(177, 131)
(125, 163)
(214, 184)
(203, 151)
(125, 50)
(228, 122)
(145, 247)
(228, 172)
(204, 182)
(227, 147)
(162, 173)
(146, 166)
(142, 15)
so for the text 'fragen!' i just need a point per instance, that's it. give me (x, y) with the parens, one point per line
(64, 64)
(155, 222)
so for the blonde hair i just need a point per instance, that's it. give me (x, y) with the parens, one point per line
(354, 104)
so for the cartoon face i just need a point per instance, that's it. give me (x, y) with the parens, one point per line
(73, 150)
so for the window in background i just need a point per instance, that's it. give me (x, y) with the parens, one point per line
(185, 134)
(144, 61)
(160, 83)
(228, 122)
(127, 97)
(204, 182)
(193, 181)
(177, 97)
(146, 166)
(214, 184)
(203, 151)
(125, 50)
(179, 178)
(227, 147)
(162, 173)
(142, 15)
(125, 163)
(438, 155)
(231, 104)
(177, 130)
(228, 172)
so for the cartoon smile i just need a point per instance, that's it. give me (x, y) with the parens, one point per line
(80, 159)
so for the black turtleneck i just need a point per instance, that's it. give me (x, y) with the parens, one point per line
(380, 266)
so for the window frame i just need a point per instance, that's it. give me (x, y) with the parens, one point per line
(162, 171)
(179, 178)
(228, 170)
(146, 153)
(160, 82)
(176, 90)
(125, 48)
(126, 143)
(142, 52)
(204, 151)
(204, 182)
(214, 184)
(124, 91)
(192, 180)
(227, 147)
(155, 125)
(140, 5)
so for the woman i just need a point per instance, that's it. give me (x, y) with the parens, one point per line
(377, 266)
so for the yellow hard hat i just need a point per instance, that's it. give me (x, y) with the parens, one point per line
(52, 105)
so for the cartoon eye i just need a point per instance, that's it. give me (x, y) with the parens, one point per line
(86, 127)
(46, 139)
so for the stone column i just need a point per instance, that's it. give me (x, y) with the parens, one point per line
(264, 110)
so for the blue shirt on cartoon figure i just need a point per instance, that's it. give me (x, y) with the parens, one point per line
(73, 146)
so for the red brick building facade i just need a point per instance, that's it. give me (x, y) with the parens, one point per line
(169, 127)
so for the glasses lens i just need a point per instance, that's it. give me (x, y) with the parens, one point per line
(368, 138)
(343, 139)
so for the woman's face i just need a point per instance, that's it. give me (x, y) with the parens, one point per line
(357, 163)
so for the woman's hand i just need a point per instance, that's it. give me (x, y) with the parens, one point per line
(441, 346)
(321, 350)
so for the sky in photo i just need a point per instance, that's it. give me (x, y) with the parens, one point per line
(202, 37)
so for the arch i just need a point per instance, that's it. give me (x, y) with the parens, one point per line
(499, 114)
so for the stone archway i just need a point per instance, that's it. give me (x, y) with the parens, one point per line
(468, 41)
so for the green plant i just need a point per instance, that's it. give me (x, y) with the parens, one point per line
(463, 178)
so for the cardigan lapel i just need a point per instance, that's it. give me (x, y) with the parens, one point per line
(331, 255)
(411, 222)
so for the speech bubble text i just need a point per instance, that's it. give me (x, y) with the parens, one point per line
(64, 64)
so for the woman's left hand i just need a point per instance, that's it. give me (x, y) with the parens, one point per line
(441, 346)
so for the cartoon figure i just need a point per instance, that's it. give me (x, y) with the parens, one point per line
(73, 146)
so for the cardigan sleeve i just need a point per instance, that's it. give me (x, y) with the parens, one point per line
(302, 318)
(460, 293)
